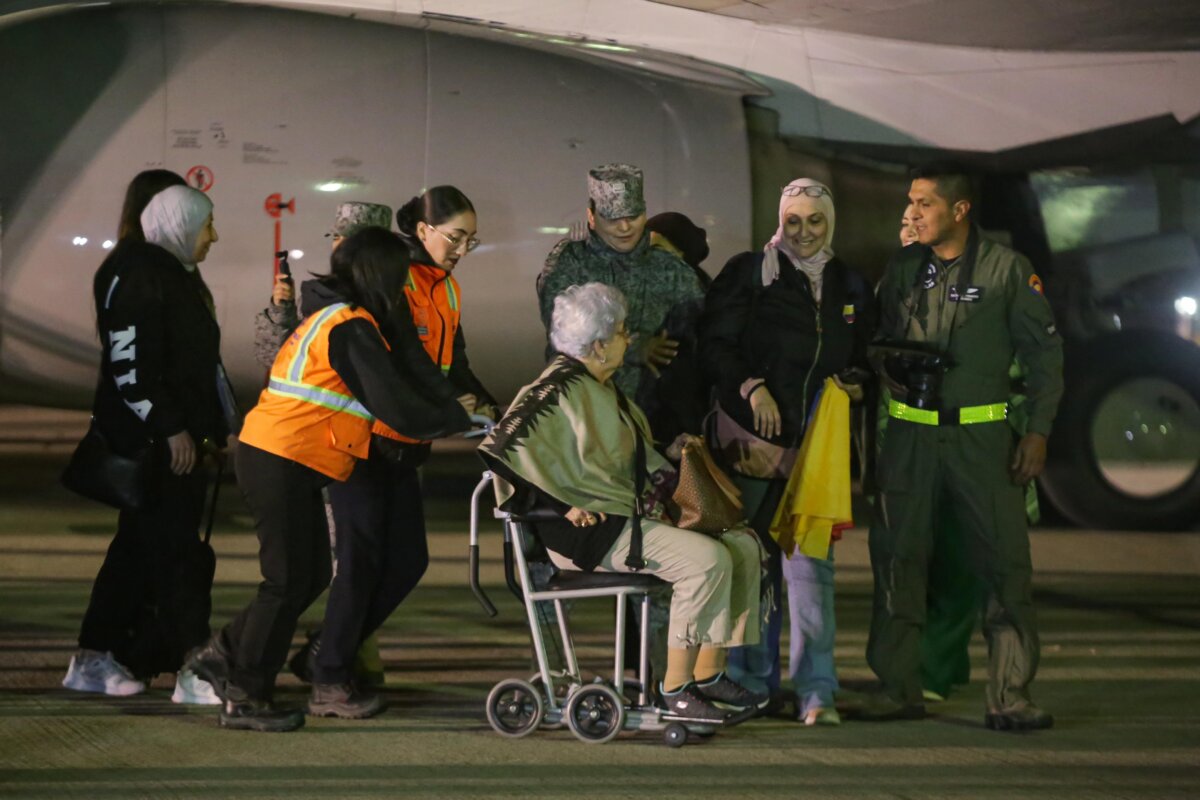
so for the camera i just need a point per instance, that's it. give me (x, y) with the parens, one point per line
(916, 366)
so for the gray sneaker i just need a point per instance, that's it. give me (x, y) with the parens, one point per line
(93, 671)
(344, 701)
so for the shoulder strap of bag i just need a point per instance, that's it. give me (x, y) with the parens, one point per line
(634, 560)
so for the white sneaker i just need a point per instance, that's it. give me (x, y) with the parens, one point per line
(191, 689)
(92, 671)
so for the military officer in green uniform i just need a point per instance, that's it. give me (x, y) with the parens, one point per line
(948, 447)
(617, 252)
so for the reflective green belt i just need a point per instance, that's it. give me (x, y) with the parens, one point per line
(968, 415)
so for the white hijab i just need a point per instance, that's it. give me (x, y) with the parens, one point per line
(173, 220)
(814, 265)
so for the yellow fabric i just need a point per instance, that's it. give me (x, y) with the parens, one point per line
(817, 497)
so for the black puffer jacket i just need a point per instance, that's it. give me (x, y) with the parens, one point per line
(161, 350)
(780, 335)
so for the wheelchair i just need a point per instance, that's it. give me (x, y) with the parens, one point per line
(595, 712)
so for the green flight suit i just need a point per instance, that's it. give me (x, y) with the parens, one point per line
(982, 310)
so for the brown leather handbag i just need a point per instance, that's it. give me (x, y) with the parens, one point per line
(706, 499)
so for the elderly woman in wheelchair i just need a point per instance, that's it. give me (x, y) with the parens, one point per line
(586, 451)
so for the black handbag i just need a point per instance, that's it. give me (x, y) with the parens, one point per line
(98, 473)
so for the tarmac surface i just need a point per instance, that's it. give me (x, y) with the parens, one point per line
(1120, 624)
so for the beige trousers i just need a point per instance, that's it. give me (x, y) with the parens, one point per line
(714, 582)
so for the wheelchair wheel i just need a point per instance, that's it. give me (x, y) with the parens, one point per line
(595, 713)
(675, 735)
(562, 690)
(514, 708)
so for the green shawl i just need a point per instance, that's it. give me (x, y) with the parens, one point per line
(565, 433)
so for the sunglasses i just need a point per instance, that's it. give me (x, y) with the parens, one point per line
(811, 191)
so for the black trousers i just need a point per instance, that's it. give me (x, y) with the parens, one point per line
(293, 554)
(152, 597)
(379, 540)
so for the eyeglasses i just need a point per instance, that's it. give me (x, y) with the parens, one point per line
(811, 191)
(457, 241)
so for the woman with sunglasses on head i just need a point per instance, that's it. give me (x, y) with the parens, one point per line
(777, 324)
(378, 514)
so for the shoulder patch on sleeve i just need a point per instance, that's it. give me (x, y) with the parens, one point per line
(1035, 285)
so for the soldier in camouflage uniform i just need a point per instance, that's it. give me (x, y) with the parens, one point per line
(277, 321)
(617, 252)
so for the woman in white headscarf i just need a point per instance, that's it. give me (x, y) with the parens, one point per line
(778, 322)
(162, 394)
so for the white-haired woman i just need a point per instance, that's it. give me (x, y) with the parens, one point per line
(161, 387)
(575, 440)
(777, 323)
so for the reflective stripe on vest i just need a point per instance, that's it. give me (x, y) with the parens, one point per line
(319, 397)
(967, 415)
(295, 388)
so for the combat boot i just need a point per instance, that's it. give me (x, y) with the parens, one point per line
(344, 701)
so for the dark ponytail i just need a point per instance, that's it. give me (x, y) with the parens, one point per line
(141, 190)
(433, 207)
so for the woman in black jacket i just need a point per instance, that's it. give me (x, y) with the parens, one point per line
(159, 390)
(778, 323)
(329, 384)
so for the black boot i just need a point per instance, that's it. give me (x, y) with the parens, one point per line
(249, 714)
(1023, 718)
(212, 663)
(246, 712)
(303, 664)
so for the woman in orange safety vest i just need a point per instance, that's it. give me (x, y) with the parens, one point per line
(378, 514)
(333, 379)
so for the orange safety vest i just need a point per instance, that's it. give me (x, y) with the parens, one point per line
(307, 413)
(432, 295)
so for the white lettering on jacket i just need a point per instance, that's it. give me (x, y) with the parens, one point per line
(142, 408)
(123, 348)
(127, 378)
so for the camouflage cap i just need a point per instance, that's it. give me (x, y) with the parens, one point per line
(616, 191)
(353, 216)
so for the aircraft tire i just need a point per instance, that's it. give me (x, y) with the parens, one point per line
(1073, 480)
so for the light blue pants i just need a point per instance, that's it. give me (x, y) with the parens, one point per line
(810, 606)
(809, 584)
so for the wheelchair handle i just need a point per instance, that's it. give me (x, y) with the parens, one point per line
(473, 555)
(485, 425)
